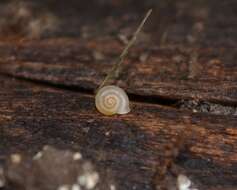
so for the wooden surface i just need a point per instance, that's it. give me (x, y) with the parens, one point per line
(46, 96)
(202, 68)
(134, 143)
(164, 74)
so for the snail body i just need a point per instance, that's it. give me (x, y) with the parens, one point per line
(111, 100)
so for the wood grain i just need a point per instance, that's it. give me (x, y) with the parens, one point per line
(197, 61)
(131, 145)
(189, 56)
(166, 73)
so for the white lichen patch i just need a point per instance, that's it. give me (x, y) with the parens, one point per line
(89, 178)
(66, 170)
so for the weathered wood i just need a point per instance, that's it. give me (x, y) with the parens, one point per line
(165, 73)
(131, 145)
(184, 65)
(204, 70)
(54, 169)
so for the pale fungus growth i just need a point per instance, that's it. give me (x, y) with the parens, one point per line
(89, 180)
(59, 169)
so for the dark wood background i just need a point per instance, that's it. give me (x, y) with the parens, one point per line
(181, 78)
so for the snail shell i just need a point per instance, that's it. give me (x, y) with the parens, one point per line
(111, 100)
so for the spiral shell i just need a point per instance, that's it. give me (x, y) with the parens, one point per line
(111, 100)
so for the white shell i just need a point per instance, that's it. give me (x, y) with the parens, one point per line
(111, 100)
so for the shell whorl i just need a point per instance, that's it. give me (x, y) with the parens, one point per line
(112, 100)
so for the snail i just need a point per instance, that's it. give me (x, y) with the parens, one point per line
(111, 100)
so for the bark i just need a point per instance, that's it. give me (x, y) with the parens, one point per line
(131, 145)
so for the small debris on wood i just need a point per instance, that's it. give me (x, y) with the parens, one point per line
(206, 107)
(98, 56)
(54, 169)
(143, 57)
(123, 39)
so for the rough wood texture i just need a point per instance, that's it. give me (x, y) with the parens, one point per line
(187, 51)
(197, 61)
(164, 74)
(130, 145)
(54, 169)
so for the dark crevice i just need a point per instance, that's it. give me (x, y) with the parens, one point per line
(134, 97)
(53, 85)
(196, 106)
(153, 100)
